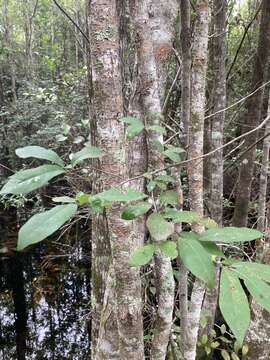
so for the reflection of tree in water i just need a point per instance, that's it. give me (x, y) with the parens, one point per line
(44, 296)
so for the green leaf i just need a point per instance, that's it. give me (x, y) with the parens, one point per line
(169, 197)
(248, 270)
(63, 199)
(135, 126)
(225, 355)
(133, 211)
(26, 181)
(88, 152)
(212, 249)
(260, 291)
(230, 234)
(165, 178)
(172, 155)
(182, 216)
(151, 186)
(197, 259)
(159, 129)
(233, 304)
(42, 225)
(115, 194)
(142, 255)
(158, 227)
(169, 249)
(82, 198)
(39, 153)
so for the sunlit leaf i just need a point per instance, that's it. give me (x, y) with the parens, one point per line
(63, 199)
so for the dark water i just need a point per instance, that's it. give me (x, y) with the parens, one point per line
(45, 296)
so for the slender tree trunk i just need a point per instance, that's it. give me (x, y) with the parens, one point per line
(195, 169)
(185, 39)
(258, 336)
(150, 100)
(112, 235)
(252, 119)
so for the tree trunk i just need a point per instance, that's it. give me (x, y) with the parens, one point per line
(195, 168)
(252, 119)
(111, 234)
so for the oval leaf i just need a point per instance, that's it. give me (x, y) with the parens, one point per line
(88, 152)
(158, 227)
(135, 126)
(260, 292)
(169, 197)
(39, 153)
(230, 234)
(233, 304)
(169, 249)
(248, 270)
(197, 259)
(142, 255)
(26, 181)
(133, 211)
(42, 225)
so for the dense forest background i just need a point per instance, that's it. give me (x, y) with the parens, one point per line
(50, 53)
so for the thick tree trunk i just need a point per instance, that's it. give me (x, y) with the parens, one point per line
(111, 234)
(195, 168)
(252, 118)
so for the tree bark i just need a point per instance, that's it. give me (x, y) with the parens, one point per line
(195, 168)
(252, 119)
(112, 235)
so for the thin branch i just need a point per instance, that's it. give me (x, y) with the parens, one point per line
(202, 156)
(73, 22)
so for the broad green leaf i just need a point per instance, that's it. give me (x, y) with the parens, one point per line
(135, 126)
(142, 255)
(158, 227)
(39, 153)
(260, 291)
(197, 259)
(42, 225)
(234, 304)
(169, 197)
(159, 129)
(172, 155)
(169, 249)
(88, 152)
(248, 270)
(190, 235)
(230, 234)
(165, 178)
(133, 211)
(97, 205)
(63, 199)
(26, 181)
(212, 248)
(182, 216)
(115, 194)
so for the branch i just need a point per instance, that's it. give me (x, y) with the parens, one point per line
(73, 22)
